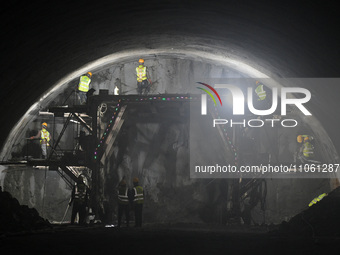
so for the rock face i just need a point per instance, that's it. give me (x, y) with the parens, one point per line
(15, 217)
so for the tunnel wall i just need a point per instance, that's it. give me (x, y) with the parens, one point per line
(39, 188)
(162, 163)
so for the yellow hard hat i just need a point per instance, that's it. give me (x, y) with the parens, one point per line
(89, 73)
(257, 82)
(135, 180)
(299, 139)
(141, 61)
(44, 124)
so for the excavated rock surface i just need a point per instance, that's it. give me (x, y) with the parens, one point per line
(321, 219)
(15, 217)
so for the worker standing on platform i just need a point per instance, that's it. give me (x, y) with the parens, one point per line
(79, 198)
(260, 92)
(138, 201)
(45, 137)
(263, 100)
(143, 80)
(83, 87)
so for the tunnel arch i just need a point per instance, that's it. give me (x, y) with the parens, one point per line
(213, 55)
(241, 48)
(205, 53)
(126, 56)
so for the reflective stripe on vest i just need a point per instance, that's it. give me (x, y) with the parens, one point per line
(260, 92)
(139, 196)
(308, 149)
(317, 199)
(80, 192)
(45, 135)
(123, 196)
(84, 83)
(141, 73)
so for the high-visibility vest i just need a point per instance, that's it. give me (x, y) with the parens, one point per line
(80, 192)
(308, 150)
(123, 198)
(45, 135)
(317, 199)
(139, 196)
(260, 92)
(84, 83)
(141, 73)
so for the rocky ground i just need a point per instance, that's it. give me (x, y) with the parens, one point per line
(16, 218)
(321, 219)
(313, 231)
(162, 240)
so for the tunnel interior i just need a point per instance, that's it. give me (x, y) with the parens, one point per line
(156, 141)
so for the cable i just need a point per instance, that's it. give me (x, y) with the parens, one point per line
(310, 225)
(43, 198)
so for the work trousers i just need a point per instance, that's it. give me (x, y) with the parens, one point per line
(44, 150)
(79, 207)
(138, 214)
(123, 209)
(143, 87)
(82, 97)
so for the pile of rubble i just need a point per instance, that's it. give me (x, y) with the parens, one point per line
(15, 217)
(321, 219)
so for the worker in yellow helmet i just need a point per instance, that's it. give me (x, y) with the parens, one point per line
(45, 138)
(84, 86)
(306, 151)
(143, 80)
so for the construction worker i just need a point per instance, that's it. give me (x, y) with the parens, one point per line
(306, 151)
(138, 201)
(143, 80)
(123, 202)
(317, 199)
(45, 137)
(79, 198)
(83, 87)
(261, 93)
